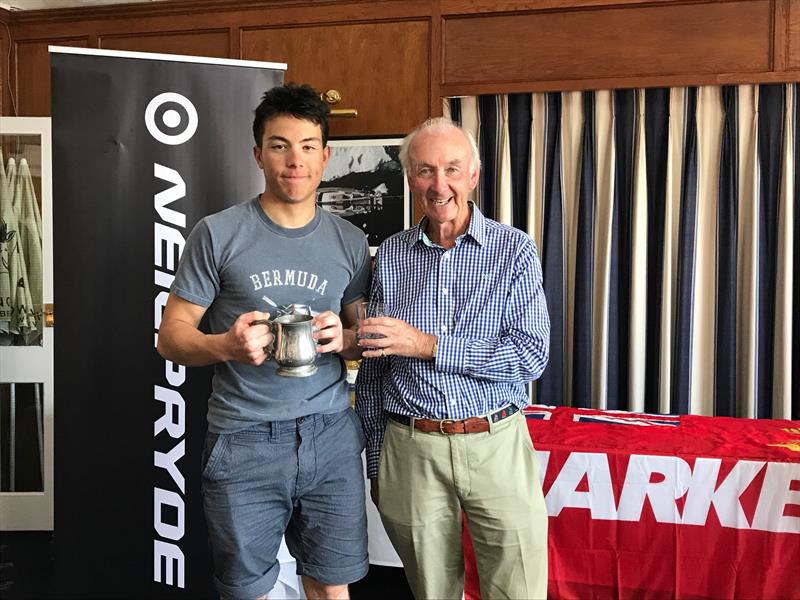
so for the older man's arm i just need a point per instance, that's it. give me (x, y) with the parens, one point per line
(369, 406)
(369, 394)
(519, 353)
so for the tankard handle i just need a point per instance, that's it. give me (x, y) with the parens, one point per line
(269, 349)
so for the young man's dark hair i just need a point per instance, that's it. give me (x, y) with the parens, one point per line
(299, 101)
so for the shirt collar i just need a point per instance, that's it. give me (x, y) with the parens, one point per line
(476, 229)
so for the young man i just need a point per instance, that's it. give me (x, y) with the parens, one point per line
(282, 453)
(441, 392)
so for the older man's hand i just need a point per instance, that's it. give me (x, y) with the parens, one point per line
(387, 336)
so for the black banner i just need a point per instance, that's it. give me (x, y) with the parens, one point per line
(143, 147)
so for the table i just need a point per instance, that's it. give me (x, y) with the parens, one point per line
(651, 506)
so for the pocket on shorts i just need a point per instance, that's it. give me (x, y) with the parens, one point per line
(214, 451)
(359, 428)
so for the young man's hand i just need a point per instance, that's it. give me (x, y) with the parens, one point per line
(329, 332)
(249, 338)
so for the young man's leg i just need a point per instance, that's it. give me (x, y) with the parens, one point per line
(318, 591)
(248, 506)
(327, 533)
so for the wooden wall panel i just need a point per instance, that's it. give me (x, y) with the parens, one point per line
(215, 44)
(393, 59)
(635, 41)
(33, 75)
(381, 69)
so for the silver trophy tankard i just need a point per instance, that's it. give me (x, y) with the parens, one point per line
(294, 349)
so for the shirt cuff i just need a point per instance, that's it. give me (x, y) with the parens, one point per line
(373, 461)
(451, 354)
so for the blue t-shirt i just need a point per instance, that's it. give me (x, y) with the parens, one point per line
(237, 261)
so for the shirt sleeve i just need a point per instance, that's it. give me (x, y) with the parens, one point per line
(369, 395)
(197, 277)
(521, 350)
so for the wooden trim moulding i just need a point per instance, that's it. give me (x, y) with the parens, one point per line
(476, 89)
(5, 68)
(477, 7)
(435, 59)
(145, 34)
(383, 9)
(780, 35)
(236, 20)
(235, 42)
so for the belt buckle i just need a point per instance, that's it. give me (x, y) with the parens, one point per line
(442, 424)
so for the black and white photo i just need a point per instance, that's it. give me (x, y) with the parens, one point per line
(364, 184)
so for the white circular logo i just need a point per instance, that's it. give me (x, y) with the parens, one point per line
(171, 118)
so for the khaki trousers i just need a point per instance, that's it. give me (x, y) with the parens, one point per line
(427, 479)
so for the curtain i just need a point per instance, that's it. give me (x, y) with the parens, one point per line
(666, 222)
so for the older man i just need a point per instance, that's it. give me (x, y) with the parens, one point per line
(440, 391)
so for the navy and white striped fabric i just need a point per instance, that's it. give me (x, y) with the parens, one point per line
(667, 222)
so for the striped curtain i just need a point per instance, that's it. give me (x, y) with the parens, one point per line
(667, 224)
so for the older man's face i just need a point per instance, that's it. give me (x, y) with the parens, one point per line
(442, 175)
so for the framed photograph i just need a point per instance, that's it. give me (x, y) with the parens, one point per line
(364, 184)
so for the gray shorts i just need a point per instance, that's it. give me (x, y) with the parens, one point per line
(301, 477)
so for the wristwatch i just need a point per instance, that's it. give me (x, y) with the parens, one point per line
(435, 348)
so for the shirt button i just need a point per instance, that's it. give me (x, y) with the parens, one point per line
(444, 327)
(300, 420)
(444, 291)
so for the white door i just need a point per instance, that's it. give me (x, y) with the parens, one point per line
(26, 334)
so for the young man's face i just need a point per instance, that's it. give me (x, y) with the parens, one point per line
(292, 158)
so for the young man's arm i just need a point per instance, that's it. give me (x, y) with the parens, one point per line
(337, 333)
(351, 350)
(180, 341)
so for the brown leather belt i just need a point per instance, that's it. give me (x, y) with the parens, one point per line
(450, 426)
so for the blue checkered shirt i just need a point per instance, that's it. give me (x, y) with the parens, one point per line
(483, 299)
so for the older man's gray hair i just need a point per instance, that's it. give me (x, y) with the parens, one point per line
(438, 124)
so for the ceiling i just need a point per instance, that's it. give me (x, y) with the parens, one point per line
(18, 5)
